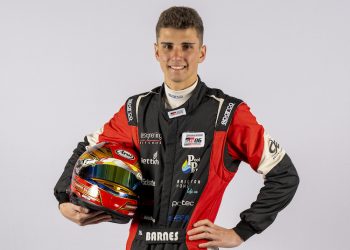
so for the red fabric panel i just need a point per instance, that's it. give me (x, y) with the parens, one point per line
(245, 137)
(117, 129)
(132, 234)
(210, 199)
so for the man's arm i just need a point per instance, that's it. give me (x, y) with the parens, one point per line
(116, 130)
(62, 185)
(248, 141)
(279, 188)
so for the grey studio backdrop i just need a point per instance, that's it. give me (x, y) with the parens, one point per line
(67, 66)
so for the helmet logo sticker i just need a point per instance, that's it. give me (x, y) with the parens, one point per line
(125, 154)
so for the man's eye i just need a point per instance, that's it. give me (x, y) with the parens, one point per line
(186, 46)
(167, 46)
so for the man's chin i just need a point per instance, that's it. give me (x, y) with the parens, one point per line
(177, 79)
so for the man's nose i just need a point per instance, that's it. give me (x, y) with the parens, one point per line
(177, 53)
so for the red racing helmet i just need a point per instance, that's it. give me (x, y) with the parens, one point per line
(106, 177)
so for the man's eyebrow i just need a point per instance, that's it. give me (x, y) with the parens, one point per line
(173, 43)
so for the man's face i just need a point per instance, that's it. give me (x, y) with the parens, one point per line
(179, 52)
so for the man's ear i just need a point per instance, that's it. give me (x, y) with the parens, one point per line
(156, 51)
(202, 54)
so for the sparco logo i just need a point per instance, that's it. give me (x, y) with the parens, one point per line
(129, 109)
(182, 203)
(148, 182)
(190, 165)
(162, 236)
(227, 113)
(125, 154)
(152, 161)
(151, 138)
(175, 96)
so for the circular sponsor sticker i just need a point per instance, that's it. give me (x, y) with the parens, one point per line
(125, 154)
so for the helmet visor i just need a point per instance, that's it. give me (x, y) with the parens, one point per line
(110, 173)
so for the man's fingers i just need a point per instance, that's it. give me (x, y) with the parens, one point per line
(215, 235)
(204, 235)
(209, 244)
(200, 230)
(96, 219)
(100, 221)
(95, 213)
(83, 217)
(203, 222)
(80, 209)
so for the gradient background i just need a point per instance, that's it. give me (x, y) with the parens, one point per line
(67, 66)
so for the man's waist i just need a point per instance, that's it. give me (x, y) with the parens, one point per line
(152, 235)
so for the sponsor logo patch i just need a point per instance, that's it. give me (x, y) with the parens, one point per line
(151, 138)
(129, 110)
(193, 139)
(227, 113)
(179, 218)
(146, 182)
(150, 218)
(190, 165)
(175, 96)
(274, 148)
(182, 203)
(151, 161)
(176, 113)
(161, 236)
(191, 191)
(187, 183)
(125, 154)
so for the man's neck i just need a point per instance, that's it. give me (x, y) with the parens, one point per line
(174, 99)
(181, 86)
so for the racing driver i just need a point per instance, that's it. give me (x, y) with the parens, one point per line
(191, 139)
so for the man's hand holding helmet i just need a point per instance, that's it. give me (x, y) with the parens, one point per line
(83, 216)
(104, 185)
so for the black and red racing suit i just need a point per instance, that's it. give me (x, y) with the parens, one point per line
(188, 157)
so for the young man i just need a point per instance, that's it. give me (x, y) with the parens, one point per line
(197, 137)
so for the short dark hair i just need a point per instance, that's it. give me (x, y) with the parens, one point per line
(180, 18)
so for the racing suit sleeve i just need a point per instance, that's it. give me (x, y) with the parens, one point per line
(248, 141)
(116, 129)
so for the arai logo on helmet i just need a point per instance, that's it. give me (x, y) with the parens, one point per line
(125, 154)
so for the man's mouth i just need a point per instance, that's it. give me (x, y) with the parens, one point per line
(177, 67)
